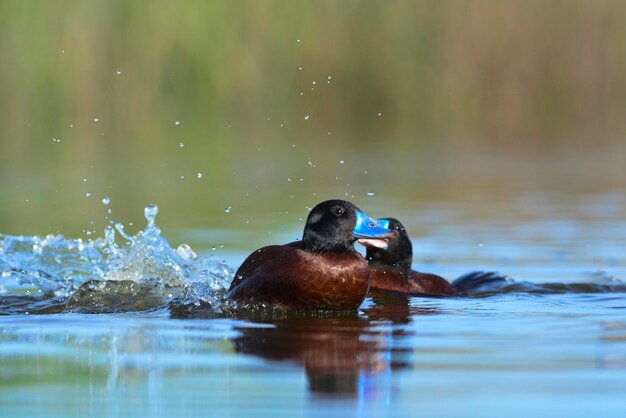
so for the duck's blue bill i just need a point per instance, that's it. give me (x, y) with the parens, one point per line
(383, 223)
(366, 227)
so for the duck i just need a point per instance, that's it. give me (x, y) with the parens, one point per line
(321, 271)
(390, 264)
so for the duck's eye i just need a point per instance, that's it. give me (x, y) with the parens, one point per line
(339, 211)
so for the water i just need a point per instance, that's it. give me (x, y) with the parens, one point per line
(55, 274)
(166, 344)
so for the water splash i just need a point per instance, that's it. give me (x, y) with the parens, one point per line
(99, 275)
(48, 266)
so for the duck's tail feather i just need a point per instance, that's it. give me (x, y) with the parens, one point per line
(482, 282)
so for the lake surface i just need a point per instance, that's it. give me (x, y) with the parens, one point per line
(494, 132)
(554, 353)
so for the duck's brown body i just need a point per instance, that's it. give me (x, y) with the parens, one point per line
(322, 271)
(391, 279)
(288, 276)
(391, 270)
(391, 267)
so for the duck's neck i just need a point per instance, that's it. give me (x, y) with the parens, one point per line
(316, 243)
(379, 259)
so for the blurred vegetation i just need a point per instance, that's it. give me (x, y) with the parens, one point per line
(411, 95)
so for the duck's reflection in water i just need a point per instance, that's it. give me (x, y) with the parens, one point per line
(349, 355)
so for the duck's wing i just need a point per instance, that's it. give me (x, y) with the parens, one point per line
(262, 265)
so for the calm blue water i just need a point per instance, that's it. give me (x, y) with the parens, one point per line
(189, 354)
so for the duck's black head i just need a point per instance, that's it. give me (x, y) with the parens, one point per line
(399, 251)
(334, 225)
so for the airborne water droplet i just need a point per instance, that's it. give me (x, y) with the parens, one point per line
(227, 209)
(105, 200)
(370, 193)
(150, 213)
(306, 117)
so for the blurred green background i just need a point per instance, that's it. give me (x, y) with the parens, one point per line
(268, 107)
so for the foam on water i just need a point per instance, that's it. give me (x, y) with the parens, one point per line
(101, 276)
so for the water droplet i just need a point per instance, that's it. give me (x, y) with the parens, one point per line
(314, 82)
(330, 77)
(177, 123)
(118, 72)
(96, 119)
(84, 180)
(301, 93)
(199, 175)
(150, 212)
(380, 114)
(181, 145)
(105, 200)
(185, 251)
(298, 40)
(289, 179)
(227, 209)
(182, 177)
(341, 161)
(56, 140)
(306, 117)
(370, 193)
(300, 68)
(88, 194)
